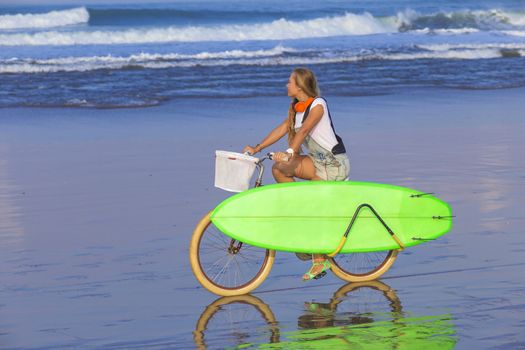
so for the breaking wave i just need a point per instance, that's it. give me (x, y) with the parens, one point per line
(45, 20)
(349, 24)
(277, 56)
(494, 19)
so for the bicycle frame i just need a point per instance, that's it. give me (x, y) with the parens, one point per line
(232, 249)
(260, 166)
(213, 267)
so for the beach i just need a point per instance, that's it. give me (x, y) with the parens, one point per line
(110, 116)
(98, 206)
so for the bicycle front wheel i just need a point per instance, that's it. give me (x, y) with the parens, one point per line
(362, 267)
(234, 316)
(225, 266)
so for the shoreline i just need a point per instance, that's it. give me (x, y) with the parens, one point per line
(423, 95)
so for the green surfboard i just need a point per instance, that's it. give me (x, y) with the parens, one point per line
(312, 217)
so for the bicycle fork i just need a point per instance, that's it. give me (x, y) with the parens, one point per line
(232, 249)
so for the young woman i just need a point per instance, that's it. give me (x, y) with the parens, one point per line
(308, 124)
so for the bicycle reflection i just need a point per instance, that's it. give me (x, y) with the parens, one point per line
(353, 304)
(364, 315)
(241, 316)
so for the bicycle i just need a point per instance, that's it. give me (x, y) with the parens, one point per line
(357, 315)
(228, 267)
(351, 304)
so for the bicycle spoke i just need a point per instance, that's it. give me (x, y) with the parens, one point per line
(220, 272)
(228, 263)
(216, 263)
(361, 263)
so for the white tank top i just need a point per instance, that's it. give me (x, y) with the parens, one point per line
(322, 133)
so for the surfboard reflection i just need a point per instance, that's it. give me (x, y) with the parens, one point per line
(366, 315)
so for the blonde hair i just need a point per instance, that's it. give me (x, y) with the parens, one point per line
(306, 81)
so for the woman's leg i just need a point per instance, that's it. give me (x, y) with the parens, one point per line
(300, 166)
(307, 171)
(281, 174)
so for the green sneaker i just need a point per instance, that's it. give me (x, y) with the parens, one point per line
(317, 270)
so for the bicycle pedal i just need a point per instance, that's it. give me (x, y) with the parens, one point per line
(321, 275)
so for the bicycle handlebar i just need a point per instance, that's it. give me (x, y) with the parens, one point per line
(269, 156)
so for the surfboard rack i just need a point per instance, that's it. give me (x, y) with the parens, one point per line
(354, 217)
(422, 239)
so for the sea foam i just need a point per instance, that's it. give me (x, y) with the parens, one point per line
(45, 20)
(277, 56)
(520, 33)
(348, 24)
(143, 59)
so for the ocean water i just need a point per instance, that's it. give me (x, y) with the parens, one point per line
(135, 55)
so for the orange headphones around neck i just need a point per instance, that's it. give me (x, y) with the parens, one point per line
(300, 107)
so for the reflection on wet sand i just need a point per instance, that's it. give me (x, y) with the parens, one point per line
(10, 228)
(494, 159)
(238, 315)
(353, 303)
(366, 315)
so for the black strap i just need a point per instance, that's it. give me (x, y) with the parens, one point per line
(306, 112)
(340, 147)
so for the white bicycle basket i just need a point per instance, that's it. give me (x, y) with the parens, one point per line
(233, 171)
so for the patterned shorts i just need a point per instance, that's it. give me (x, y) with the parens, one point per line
(331, 168)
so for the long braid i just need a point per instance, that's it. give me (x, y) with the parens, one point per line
(291, 124)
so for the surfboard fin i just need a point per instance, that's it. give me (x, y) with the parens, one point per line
(421, 194)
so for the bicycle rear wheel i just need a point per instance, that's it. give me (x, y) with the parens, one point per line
(225, 266)
(362, 267)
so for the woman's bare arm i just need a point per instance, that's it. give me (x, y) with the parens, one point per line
(274, 136)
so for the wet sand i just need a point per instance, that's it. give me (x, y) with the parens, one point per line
(97, 208)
